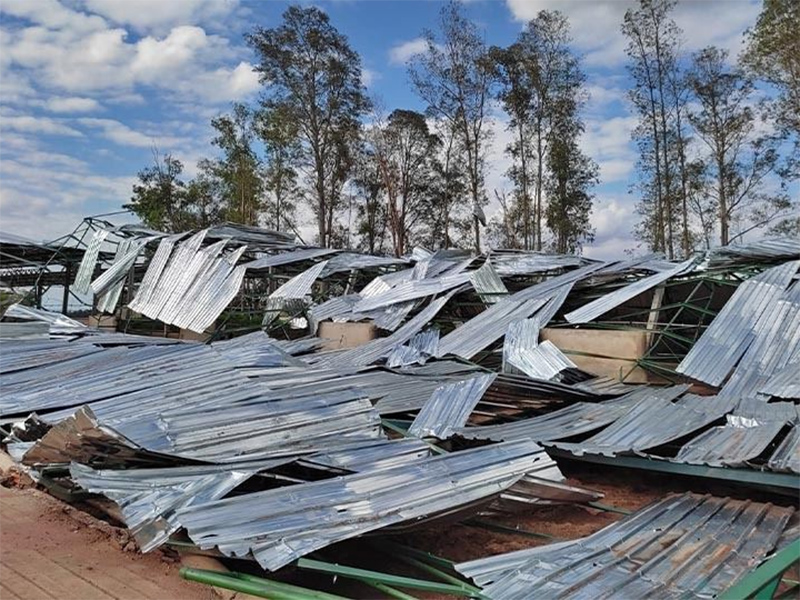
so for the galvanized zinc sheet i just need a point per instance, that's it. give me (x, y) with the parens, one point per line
(579, 418)
(280, 525)
(602, 305)
(544, 361)
(721, 346)
(683, 546)
(449, 407)
(89, 261)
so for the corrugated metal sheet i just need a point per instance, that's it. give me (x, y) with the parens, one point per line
(28, 330)
(579, 418)
(519, 263)
(768, 249)
(352, 261)
(155, 268)
(776, 337)
(291, 295)
(654, 423)
(418, 350)
(787, 455)
(412, 290)
(721, 346)
(486, 328)
(112, 373)
(272, 428)
(57, 321)
(127, 253)
(149, 498)
(377, 454)
(278, 526)
(286, 258)
(89, 261)
(785, 383)
(602, 305)
(194, 287)
(371, 352)
(544, 361)
(747, 434)
(487, 283)
(449, 407)
(687, 546)
(520, 335)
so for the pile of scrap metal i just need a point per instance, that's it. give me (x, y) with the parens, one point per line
(279, 443)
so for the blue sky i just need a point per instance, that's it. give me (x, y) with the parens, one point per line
(88, 87)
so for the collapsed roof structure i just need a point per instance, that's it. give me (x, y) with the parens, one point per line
(268, 434)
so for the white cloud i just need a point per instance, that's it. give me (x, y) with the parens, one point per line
(102, 61)
(52, 14)
(368, 77)
(121, 134)
(33, 125)
(400, 54)
(608, 141)
(72, 105)
(596, 25)
(160, 15)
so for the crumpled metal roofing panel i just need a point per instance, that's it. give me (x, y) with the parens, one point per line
(528, 263)
(543, 361)
(576, 419)
(57, 321)
(776, 337)
(490, 325)
(195, 284)
(721, 346)
(602, 305)
(487, 283)
(449, 407)
(412, 290)
(778, 248)
(149, 498)
(271, 428)
(154, 270)
(785, 383)
(286, 258)
(380, 347)
(374, 454)
(683, 546)
(89, 261)
(96, 376)
(654, 423)
(280, 525)
(418, 350)
(353, 261)
(730, 445)
(787, 455)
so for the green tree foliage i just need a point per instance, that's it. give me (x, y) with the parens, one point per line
(572, 175)
(279, 134)
(163, 201)
(659, 98)
(311, 74)
(739, 161)
(773, 55)
(404, 151)
(237, 172)
(453, 77)
(541, 87)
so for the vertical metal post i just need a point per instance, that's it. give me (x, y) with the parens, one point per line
(67, 281)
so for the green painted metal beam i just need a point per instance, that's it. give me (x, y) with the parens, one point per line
(763, 581)
(255, 586)
(785, 483)
(400, 581)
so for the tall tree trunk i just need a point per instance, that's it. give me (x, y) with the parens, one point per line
(539, 183)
